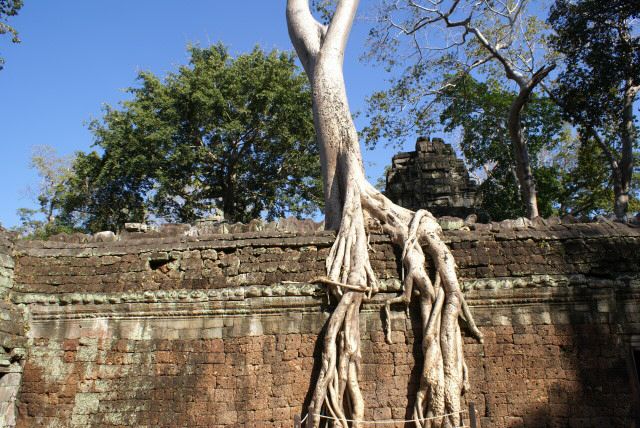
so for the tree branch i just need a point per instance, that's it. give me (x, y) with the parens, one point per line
(605, 148)
(337, 34)
(509, 69)
(539, 76)
(494, 50)
(591, 131)
(305, 31)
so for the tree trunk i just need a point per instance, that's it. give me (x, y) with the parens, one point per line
(229, 197)
(622, 186)
(520, 150)
(521, 158)
(349, 200)
(521, 155)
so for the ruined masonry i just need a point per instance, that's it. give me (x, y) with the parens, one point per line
(13, 340)
(184, 328)
(432, 178)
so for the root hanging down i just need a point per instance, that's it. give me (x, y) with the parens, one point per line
(350, 276)
(444, 376)
(349, 200)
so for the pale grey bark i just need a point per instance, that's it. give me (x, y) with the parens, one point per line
(519, 144)
(624, 173)
(349, 200)
(620, 164)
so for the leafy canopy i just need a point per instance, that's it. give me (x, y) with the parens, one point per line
(53, 171)
(599, 47)
(229, 133)
(426, 45)
(601, 55)
(478, 109)
(445, 79)
(9, 8)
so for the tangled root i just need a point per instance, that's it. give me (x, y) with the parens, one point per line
(444, 376)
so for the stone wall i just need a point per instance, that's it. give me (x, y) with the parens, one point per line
(223, 330)
(6, 264)
(13, 341)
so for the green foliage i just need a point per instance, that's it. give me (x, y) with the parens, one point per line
(222, 132)
(32, 228)
(452, 81)
(499, 195)
(587, 188)
(54, 173)
(424, 54)
(9, 8)
(601, 54)
(478, 109)
(406, 108)
(599, 44)
(325, 9)
(569, 170)
(103, 193)
(500, 198)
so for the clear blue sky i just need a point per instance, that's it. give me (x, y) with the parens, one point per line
(77, 55)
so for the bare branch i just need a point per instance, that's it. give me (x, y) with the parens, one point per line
(539, 76)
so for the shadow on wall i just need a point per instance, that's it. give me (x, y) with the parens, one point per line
(577, 377)
(315, 371)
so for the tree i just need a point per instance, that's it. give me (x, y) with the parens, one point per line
(104, 194)
(477, 108)
(495, 39)
(586, 188)
(9, 8)
(600, 80)
(54, 172)
(569, 175)
(223, 132)
(351, 203)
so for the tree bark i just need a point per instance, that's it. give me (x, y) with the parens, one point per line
(229, 196)
(350, 203)
(520, 151)
(520, 148)
(628, 136)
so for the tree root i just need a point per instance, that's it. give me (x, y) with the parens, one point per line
(349, 197)
(444, 376)
(350, 274)
(327, 281)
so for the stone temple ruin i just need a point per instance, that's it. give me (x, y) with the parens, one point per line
(431, 177)
(203, 327)
(219, 325)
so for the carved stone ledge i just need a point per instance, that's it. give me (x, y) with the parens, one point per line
(177, 296)
(231, 294)
(285, 299)
(539, 281)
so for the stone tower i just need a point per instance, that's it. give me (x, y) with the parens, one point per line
(432, 177)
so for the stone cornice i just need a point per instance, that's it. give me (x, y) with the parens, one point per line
(305, 297)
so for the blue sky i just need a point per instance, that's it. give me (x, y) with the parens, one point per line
(77, 55)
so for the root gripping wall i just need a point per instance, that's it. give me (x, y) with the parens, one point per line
(222, 330)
